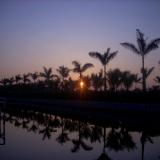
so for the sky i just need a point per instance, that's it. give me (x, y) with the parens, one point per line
(51, 33)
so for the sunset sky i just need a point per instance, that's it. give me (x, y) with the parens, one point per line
(37, 33)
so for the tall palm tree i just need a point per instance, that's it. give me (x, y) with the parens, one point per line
(104, 59)
(142, 50)
(78, 68)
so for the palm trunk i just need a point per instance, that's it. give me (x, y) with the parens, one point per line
(143, 75)
(105, 84)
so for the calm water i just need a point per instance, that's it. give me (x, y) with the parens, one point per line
(28, 135)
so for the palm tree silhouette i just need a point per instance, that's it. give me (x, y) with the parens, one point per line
(11, 81)
(114, 79)
(78, 68)
(25, 78)
(47, 75)
(97, 80)
(34, 76)
(104, 59)
(142, 50)
(127, 79)
(18, 78)
(64, 73)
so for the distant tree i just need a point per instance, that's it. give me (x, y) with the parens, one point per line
(127, 79)
(78, 68)
(142, 50)
(34, 76)
(25, 78)
(47, 75)
(64, 73)
(11, 81)
(97, 80)
(4, 81)
(18, 78)
(104, 59)
(114, 78)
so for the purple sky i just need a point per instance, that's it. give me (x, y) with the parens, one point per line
(37, 33)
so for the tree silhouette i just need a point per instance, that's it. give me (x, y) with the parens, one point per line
(114, 78)
(142, 50)
(64, 73)
(18, 78)
(127, 79)
(104, 59)
(25, 78)
(34, 76)
(97, 80)
(78, 68)
(47, 75)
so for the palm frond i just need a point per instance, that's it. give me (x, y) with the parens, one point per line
(77, 66)
(130, 46)
(111, 56)
(86, 66)
(148, 71)
(141, 41)
(152, 45)
(97, 55)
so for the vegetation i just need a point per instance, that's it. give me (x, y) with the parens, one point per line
(104, 59)
(142, 50)
(104, 85)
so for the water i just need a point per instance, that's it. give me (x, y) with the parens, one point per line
(36, 135)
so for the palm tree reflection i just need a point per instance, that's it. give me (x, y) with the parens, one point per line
(83, 131)
(63, 137)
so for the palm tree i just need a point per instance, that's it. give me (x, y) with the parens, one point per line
(104, 59)
(11, 81)
(127, 79)
(142, 50)
(97, 80)
(114, 79)
(18, 78)
(47, 75)
(4, 81)
(25, 78)
(34, 76)
(64, 73)
(78, 68)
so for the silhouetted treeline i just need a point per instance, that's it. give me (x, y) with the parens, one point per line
(111, 84)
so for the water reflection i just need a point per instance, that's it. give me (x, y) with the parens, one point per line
(2, 125)
(82, 135)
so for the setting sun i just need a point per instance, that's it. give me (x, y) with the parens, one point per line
(81, 84)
